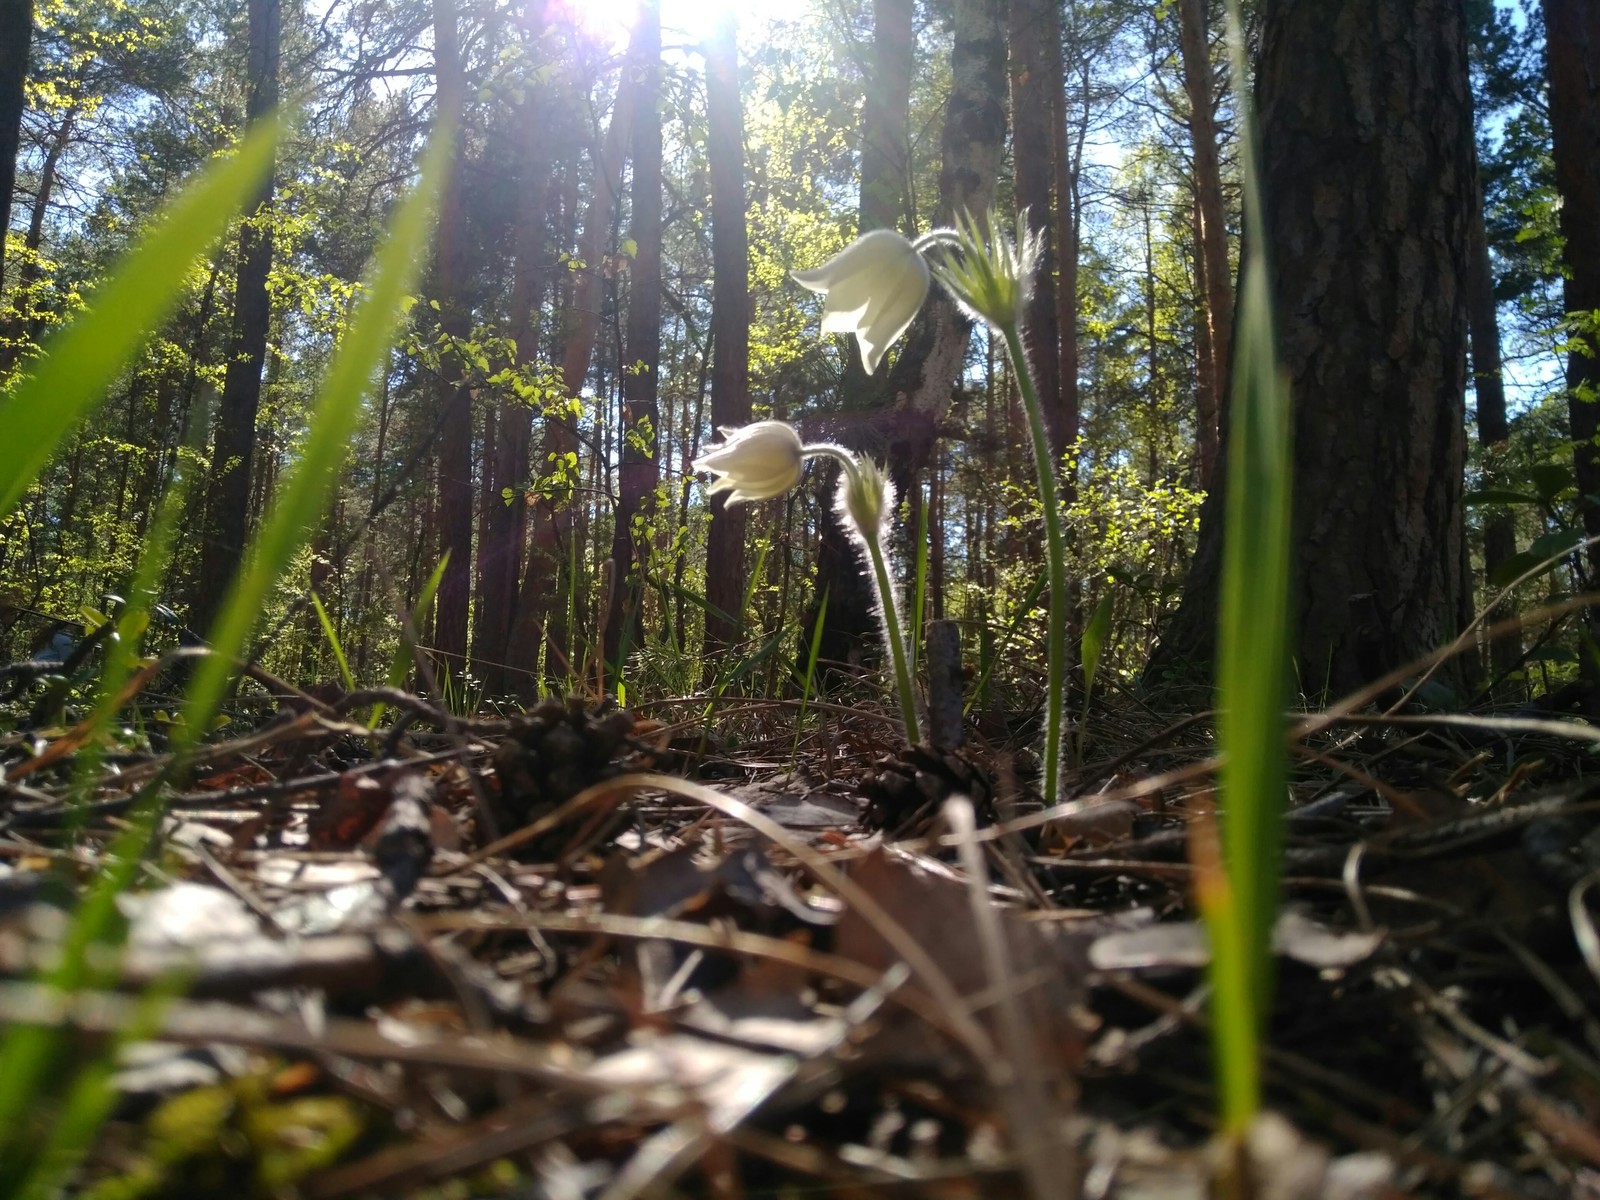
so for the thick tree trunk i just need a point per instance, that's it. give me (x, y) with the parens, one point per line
(16, 36)
(885, 203)
(924, 372)
(730, 332)
(542, 601)
(638, 469)
(1368, 213)
(233, 452)
(1572, 31)
(453, 604)
(1211, 234)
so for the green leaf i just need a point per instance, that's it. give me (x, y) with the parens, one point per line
(1497, 496)
(80, 362)
(1551, 479)
(1509, 570)
(1094, 639)
(1557, 541)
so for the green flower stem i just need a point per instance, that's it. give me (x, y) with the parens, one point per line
(1056, 551)
(888, 601)
(891, 633)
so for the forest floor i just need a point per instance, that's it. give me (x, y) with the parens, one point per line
(579, 952)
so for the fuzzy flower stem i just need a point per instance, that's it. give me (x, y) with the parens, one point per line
(1056, 552)
(888, 598)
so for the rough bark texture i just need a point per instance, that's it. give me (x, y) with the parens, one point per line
(455, 397)
(542, 601)
(925, 371)
(1211, 235)
(16, 36)
(1367, 145)
(730, 330)
(233, 453)
(1572, 28)
(638, 469)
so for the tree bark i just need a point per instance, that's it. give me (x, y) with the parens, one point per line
(1211, 232)
(1488, 385)
(234, 448)
(506, 519)
(730, 332)
(1572, 32)
(453, 603)
(927, 368)
(639, 438)
(16, 37)
(1368, 213)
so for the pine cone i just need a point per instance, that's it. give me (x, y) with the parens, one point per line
(553, 752)
(909, 786)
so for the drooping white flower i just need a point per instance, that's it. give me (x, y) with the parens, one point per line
(756, 462)
(872, 288)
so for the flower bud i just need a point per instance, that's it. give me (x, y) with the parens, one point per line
(866, 497)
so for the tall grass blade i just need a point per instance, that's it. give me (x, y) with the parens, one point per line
(400, 665)
(361, 352)
(1252, 670)
(329, 632)
(81, 360)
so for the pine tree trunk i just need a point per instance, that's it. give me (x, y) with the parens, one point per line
(233, 454)
(926, 367)
(16, 36)
(1572, 31)
(1368, 214)
(638, 469)
(453, 604)
(1211, 230)
(542, 600)
(1064, 162)
(506, 519)
(1488, 384)
(885, 203)
(730, 332)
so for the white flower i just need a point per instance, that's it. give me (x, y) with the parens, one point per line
(756, 462)
(873, 288)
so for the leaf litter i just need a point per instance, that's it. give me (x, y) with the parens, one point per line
(580, 953)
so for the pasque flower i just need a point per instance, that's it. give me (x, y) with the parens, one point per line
(757, 462)
(766, 459)
(872, 288)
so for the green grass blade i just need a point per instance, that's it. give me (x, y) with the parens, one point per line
(920, 592)
(333, 640)
(81, 361)
(1252, 655)
(401, 663)
(360, 354)
(806, 685)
